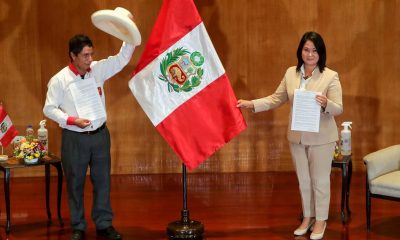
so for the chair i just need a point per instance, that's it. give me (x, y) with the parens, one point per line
(382, 176)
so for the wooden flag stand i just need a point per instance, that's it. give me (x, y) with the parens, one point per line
(185, 228)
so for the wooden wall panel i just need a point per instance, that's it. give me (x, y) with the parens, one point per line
(20, 80)
(256, 41)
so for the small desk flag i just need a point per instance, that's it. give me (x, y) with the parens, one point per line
(7, 129)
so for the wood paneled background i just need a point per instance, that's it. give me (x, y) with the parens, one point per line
(256, 41)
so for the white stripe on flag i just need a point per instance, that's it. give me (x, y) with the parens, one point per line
(8, 123)
(152, 93)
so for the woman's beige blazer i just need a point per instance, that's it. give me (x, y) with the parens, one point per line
(328, 84)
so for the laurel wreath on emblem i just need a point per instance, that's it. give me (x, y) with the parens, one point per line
(181, 70)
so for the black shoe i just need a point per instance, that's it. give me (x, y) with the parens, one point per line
(109, 233)
(77, 234)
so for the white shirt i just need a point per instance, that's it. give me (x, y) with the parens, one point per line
(59, 103)
(303, 81)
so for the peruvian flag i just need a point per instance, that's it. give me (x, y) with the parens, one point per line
(182, 86)
(7, 129)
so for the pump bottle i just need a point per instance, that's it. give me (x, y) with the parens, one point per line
(42, 134)
(345, 139)
(29, 136)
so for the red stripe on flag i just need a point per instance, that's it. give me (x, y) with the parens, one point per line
(204, 123)
(175, 20)
(9, 136)
(3, 113)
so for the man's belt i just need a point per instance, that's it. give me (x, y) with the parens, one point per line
(94, 131)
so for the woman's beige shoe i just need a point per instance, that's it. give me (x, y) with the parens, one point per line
(317, 236)
(302, 231)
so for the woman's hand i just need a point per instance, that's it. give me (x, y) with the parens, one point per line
(245, 104)
(322, 100)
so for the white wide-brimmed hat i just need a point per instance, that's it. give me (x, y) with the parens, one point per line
(118, 23)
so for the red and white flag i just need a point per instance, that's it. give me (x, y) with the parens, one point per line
(7, 129)
(182, 86)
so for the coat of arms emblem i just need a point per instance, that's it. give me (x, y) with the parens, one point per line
(181, 70)
(3, 127)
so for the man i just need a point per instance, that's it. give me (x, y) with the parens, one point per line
(85, 142)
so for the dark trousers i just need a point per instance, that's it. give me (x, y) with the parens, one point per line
(79, 151)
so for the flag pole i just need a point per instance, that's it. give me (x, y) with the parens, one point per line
(185, 228)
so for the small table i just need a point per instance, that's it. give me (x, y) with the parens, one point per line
(345, 164)
(14, 163)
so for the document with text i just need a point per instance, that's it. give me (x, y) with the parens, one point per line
(306, 111)
(87, 100)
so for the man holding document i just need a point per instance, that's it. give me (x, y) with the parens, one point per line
(75, 100)
(315, 95)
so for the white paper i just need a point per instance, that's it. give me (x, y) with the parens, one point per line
(87, 99)
(306, 111)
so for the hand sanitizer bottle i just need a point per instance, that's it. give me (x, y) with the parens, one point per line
(43, 135)
(345, 139)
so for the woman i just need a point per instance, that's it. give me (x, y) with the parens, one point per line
(311, 152)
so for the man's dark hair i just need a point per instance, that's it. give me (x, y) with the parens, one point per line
(319, 45)
(77, 43)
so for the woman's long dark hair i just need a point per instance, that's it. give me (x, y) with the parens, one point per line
(319, 45)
